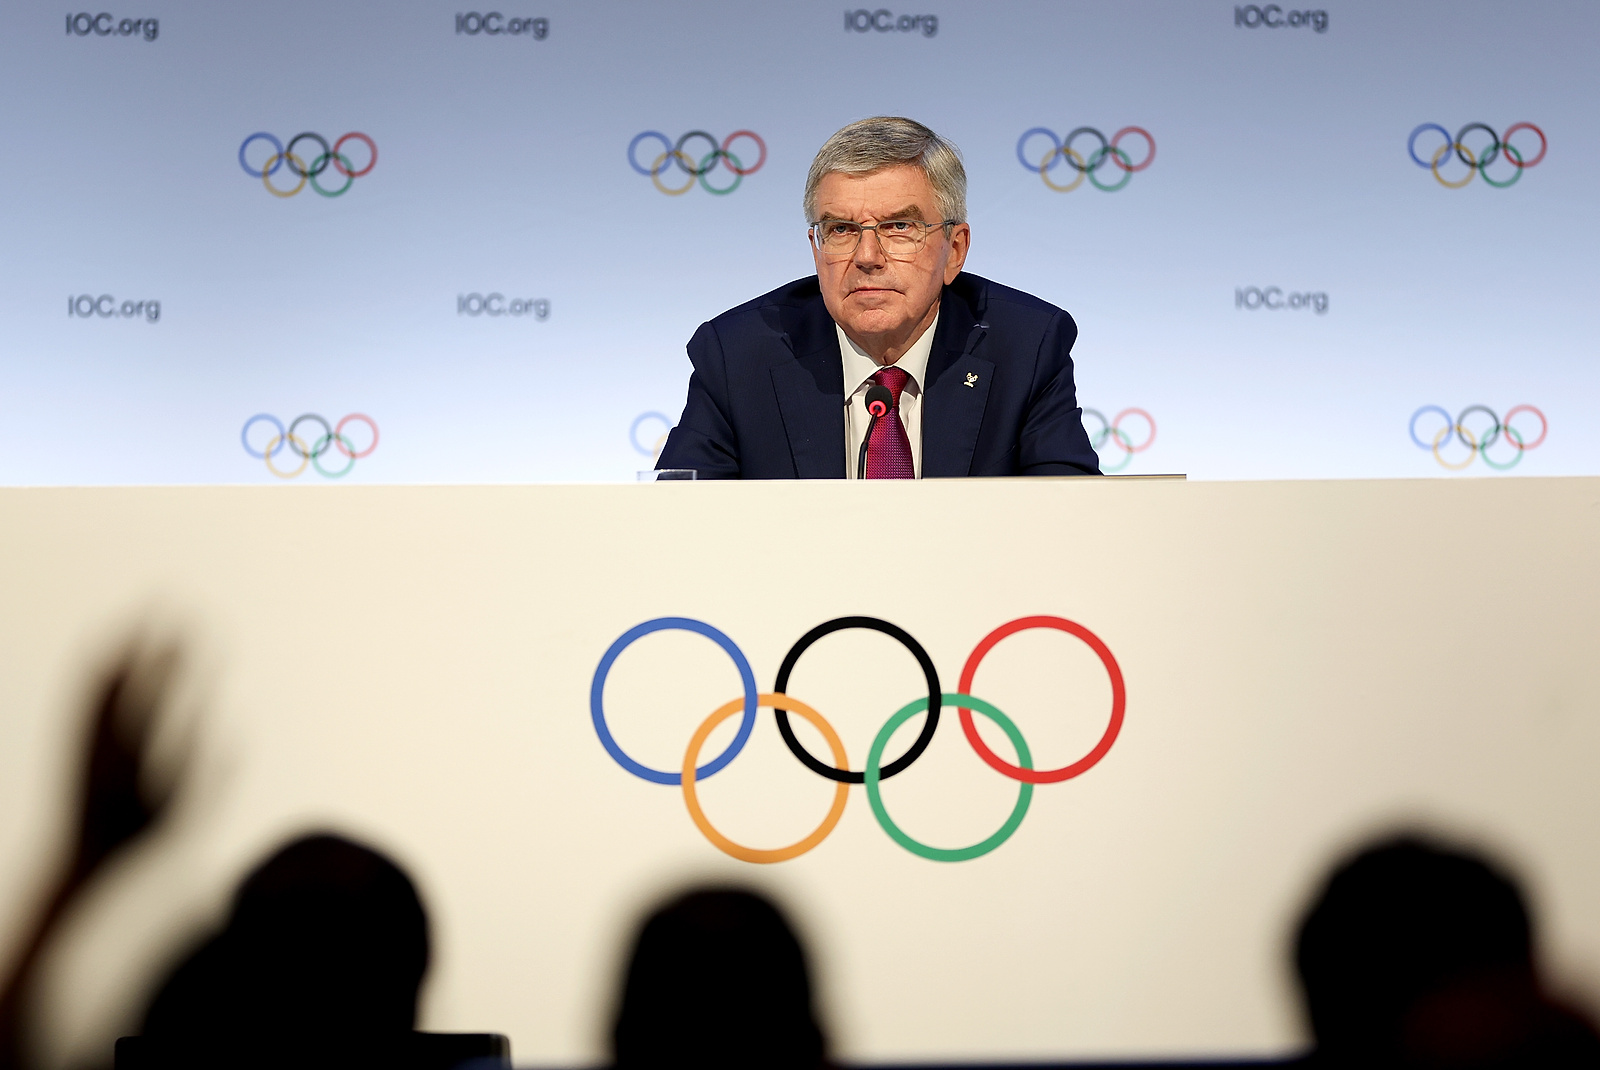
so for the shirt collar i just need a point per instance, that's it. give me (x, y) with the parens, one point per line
(859, 367)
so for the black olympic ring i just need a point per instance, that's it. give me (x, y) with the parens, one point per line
(1104, 150)
(929, 673)
(678, 158)
(1493, 434)
(1490, 154)
(321, 162)
(322, 443)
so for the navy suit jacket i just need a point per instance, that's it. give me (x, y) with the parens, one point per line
(766, 400)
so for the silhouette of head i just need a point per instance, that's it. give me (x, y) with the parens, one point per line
(323, 955)
(717, 980)
(1419, 955)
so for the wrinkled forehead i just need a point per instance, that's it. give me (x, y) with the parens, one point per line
(900, 191)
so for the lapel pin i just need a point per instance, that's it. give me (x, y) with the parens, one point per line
(972, 379)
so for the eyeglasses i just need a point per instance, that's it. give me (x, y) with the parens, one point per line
(901, 239)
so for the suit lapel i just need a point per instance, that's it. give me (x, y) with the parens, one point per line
(957, 391)
(810, 392)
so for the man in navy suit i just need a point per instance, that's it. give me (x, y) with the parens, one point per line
(890, 362)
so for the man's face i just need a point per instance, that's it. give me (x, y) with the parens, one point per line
(882, 304)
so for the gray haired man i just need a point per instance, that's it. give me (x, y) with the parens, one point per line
(890, 362)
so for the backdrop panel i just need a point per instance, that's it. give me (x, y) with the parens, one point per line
(1302, 663)
(1301, 243)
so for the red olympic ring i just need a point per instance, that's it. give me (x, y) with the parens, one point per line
(1151, 420)
(338, 431)
(1544, 425)
(1119, 701)
(372, 148)
(1543, 144)
(1142, 132)
(753, 136)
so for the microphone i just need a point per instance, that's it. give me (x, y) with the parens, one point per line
(878, 401)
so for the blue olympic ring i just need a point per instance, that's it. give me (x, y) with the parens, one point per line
(686, 624)
(666, 143)
(633, 431)
(1411, 148)
(277, 155)
(244, 433)
(1055, 156)
(1449, 423)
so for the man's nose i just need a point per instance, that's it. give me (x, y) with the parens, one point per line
(869, 253)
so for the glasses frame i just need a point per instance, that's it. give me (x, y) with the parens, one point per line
(861, 232)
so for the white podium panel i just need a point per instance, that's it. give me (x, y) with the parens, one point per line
(1219, 687)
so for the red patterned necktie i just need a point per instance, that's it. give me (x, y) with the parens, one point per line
(888, 448)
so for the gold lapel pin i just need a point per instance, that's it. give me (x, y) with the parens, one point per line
(972, 379)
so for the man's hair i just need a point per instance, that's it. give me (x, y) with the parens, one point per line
(870, 145)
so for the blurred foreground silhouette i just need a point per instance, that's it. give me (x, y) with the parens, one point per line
(1417, 955)
(717, 980)
(118, 800)
(320, 963)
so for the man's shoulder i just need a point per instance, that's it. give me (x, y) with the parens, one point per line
(990, 300)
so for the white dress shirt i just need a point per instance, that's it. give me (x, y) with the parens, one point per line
(859, 369)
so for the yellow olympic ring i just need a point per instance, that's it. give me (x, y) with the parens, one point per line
(294, 444)
(1064, 151)
(841, 793)
(1471, 167)
(661, 165)
(1466, 436)
(272, 161)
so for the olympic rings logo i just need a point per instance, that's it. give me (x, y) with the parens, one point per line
(874, 771)
(285, 157)
(332, 438)
(660, 440)
(1487, 154)
(1111, 431)
(1062, 150)
(673, 154)
(1478, 442)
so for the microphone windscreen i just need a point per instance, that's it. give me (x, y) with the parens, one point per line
(878, 399)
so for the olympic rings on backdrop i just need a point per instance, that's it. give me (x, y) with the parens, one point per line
(1111, 430)
(1477, 162)
(873, 772)
(284, 156)
(673, 154)
(1107, 151)
(1479, 441)
(661, 440)
(333, 437)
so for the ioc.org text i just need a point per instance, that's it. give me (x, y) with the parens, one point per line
(106, 307)
(106, 24)
(1277, 299)
(885, 21)
(498, 304)
(1273, 17)
(495, 24)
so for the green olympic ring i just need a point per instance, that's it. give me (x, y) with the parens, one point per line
(1100, 154)
(1483, 169)
(947, 854)
(710, 161)
(1516, 437)
(317, 165)
(325, 441)
(1127, 448)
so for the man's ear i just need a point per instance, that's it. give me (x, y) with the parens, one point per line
(960, 242)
